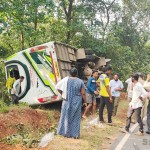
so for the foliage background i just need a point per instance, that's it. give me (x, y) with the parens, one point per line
(116, 29)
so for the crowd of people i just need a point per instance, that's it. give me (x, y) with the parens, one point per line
(74, 92)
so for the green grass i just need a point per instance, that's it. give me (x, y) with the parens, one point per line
(4, 108)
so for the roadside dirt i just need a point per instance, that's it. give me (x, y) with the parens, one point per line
(37, 122)
(93, 137)
(25, 120)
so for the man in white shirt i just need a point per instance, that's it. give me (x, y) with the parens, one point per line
(129, 88)
(135, 105)
(16, 90)
(116, 87)
(145, 101)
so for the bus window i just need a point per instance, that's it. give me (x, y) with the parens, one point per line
(13, 72)
(44, 65)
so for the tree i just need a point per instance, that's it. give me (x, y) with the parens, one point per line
(23, 17)
(101, 15)
(69, 11)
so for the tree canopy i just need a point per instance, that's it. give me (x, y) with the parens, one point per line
(116, 29)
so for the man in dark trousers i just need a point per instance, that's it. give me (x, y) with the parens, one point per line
(16, 90)
(147, 88)
(148, 118)
(135, 106)
(106, 98)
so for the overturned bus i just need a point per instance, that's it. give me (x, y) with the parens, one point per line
(45, 65)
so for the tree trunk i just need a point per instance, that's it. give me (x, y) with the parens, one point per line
(68, 13)
(35, 20)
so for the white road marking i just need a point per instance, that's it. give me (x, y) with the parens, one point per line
(126, 136)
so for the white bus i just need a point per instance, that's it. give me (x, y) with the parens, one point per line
(43, 66)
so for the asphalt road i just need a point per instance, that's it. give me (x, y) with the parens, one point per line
(131, 141)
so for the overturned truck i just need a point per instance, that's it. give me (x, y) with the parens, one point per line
(45, 65)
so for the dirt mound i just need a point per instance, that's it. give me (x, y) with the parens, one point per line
(24, 123)
(11, 122)
(11, 147)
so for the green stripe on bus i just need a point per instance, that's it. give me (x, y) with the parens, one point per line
(10, 57)
(46, 82)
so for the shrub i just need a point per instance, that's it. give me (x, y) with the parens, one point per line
(4, 108)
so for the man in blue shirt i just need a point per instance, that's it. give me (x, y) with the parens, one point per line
(91, 91)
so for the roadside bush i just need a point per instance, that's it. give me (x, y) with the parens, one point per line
(4, 108)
